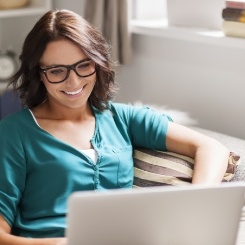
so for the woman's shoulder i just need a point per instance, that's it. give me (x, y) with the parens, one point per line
(121, 109)
(128, 108)
(119, 106)
(137, 110)
(129, 111)
(15, 118)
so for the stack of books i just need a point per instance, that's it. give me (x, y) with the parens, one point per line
(234, 18)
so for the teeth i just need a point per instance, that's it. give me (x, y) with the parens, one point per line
(74, 92)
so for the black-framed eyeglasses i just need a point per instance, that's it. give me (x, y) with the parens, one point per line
(59, 73)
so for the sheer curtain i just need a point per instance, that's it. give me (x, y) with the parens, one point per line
(111, 18)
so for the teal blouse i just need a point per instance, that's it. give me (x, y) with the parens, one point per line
(38, 172)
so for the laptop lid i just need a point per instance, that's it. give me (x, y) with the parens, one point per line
(156, 216)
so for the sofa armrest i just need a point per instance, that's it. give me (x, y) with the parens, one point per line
(233, 144)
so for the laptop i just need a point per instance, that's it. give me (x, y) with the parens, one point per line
(190, 215)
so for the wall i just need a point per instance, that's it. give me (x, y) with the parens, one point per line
(74, 5)
(203, 79)
(14, 29)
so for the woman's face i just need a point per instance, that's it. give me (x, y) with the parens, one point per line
(74, 91)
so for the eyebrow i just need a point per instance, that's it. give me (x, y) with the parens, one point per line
(55, 65)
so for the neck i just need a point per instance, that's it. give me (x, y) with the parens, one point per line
(61, 112)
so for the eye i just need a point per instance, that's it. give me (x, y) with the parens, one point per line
(84, 65)
(56, 71)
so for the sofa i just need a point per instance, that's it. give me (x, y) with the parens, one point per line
(233, 144)
(148, 173)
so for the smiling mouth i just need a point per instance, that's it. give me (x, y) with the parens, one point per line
(74, 92)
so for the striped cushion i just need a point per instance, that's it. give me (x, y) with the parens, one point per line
(156, 168)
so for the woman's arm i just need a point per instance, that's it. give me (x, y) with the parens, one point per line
(211, 157)
(7, 239)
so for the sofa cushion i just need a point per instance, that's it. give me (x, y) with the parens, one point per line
(154, 168)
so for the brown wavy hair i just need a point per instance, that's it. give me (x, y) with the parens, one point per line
(56, 25)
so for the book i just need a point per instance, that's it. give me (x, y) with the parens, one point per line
(237, 4)
(232, 14)
(234, 29)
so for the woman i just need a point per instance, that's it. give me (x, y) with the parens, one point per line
(71, 136)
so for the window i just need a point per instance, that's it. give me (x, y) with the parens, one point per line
(206, 14)
(149, 9)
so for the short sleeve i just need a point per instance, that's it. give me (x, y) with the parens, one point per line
(147, 127)
(12, 170)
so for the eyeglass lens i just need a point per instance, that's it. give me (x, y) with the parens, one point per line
(60, 73)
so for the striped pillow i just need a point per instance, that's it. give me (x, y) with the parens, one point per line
(156, 168)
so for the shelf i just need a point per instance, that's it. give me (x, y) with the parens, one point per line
(35, 7)
(160, 28)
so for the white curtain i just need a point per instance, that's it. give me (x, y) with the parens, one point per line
(111, 18)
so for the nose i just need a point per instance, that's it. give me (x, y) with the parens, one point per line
(73, 78)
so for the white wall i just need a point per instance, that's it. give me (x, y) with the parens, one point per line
(73, 5)
(14, 29)
(203, 79)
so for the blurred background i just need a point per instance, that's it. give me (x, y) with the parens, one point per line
(173, 54)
